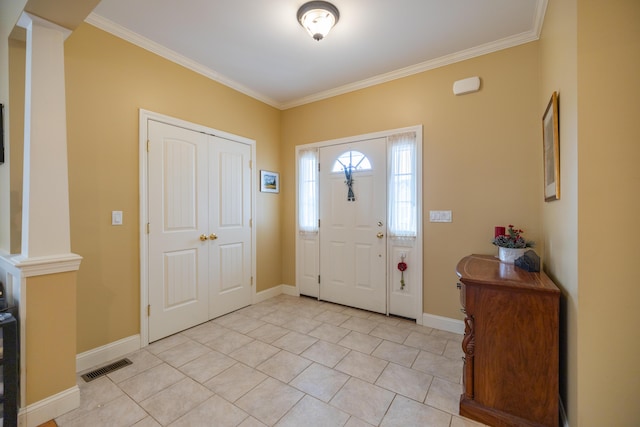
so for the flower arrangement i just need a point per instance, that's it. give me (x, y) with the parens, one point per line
(513, 239)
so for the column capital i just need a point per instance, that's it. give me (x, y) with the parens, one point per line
(27, 20)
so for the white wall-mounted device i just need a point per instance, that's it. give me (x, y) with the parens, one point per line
(116, 217)
(440, 216)
(472, 84)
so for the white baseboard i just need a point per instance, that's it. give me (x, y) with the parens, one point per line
(274, 292)
(290, 290)
(443, 323)
(49, 408)
(106, 353)
(429, 320)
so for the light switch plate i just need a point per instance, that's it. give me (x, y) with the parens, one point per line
(116, 217)
(440, 216)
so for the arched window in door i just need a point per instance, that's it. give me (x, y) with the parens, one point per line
(349, 162)
(351, 159)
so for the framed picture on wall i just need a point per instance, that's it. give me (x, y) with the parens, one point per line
(551, 147)
(269, 182)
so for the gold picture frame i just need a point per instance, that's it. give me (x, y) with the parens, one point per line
(551, 150)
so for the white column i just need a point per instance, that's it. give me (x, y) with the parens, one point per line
(45, 209)
(46, 248)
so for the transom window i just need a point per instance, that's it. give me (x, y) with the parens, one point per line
(354, 160)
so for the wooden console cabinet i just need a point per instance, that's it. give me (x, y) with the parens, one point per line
(510, 375)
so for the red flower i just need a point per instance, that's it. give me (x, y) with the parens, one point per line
(402, 266)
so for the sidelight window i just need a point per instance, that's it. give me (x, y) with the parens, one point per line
(402, 185)
(308, 191)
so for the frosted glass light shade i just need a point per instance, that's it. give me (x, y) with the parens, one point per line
(318, 18)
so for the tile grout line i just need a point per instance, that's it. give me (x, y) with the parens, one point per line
(327, 316)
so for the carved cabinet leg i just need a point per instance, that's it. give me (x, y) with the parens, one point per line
(468, 345)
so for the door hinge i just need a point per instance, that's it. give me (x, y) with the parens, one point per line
(318, 166)
(251, 281)
(250, 164)
(318, 223)
(318, 279)
(149, 310)
(148, 145)
(148, 228)
(250, 222)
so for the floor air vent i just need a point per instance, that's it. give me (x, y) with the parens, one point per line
(97, 373)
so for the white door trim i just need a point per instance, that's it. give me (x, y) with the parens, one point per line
(144, 117)
(418, 278)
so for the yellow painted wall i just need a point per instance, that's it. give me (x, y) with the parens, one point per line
(482, 159)
(51, 341)
(608, 372)
(482, 156)
(559, 71)
(108, 80)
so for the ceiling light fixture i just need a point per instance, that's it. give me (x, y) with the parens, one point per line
(318, 18)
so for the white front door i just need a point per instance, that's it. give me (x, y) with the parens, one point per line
(199, 204)
(353, 225)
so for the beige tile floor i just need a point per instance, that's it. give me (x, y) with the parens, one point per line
(287, 361)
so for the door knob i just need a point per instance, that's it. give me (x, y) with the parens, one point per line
(213, 236)
(203, 237)
(379, 235)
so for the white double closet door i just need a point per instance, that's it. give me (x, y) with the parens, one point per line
(353, 241)
(199, 205)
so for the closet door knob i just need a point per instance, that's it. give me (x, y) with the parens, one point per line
(203, 237)
(213, 236)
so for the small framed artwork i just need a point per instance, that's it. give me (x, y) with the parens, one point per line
(269, 182)
(551, 146)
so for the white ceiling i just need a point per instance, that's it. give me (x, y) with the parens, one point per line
(258, 47)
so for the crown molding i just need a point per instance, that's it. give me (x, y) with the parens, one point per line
(505, 43)
(418, 68)
(143, 42)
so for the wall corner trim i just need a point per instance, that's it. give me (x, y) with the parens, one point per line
(290, 290)
(47, 409)
(274, 292)
(443, 323)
